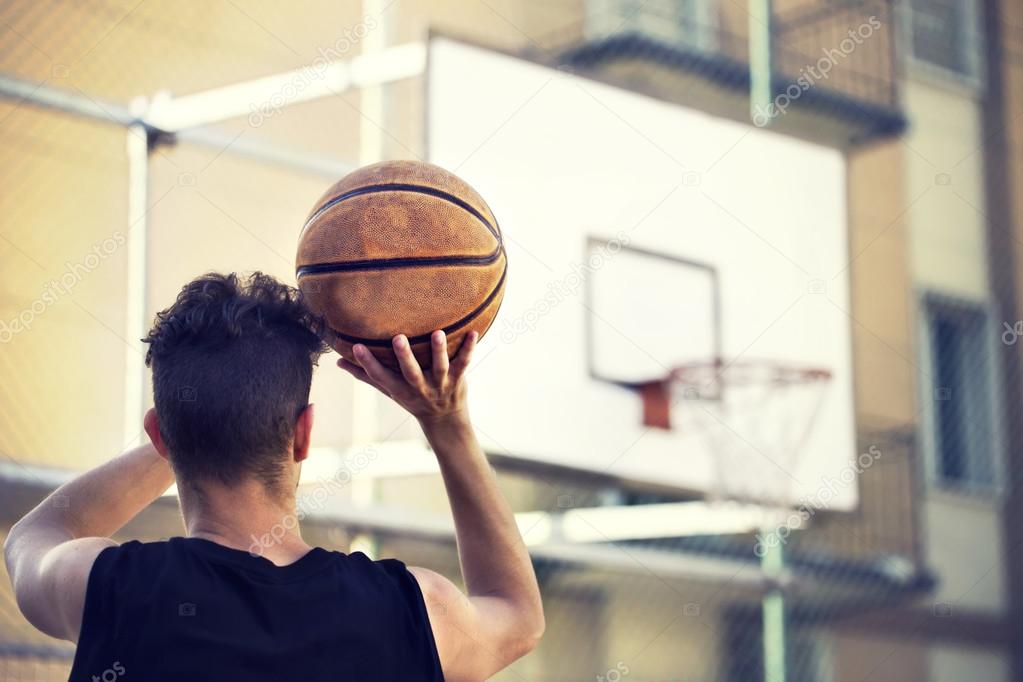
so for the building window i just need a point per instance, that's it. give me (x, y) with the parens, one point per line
(684, 23)
(943, 37)
(960, 424)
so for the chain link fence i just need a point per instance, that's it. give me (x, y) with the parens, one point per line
(227, 196)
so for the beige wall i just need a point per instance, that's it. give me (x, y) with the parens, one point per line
(858, 657)
(118, 50)
(658, 637)
(948, 231)
(63, 217)
(65, 192)
(879, 242)
(964, 545)
(944, 189)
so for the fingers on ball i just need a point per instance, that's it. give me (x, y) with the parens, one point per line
(407, 362)
(439, 350)
(464, 356)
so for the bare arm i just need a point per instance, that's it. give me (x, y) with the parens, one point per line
(50, 552)
(501, 618)
(495, 565)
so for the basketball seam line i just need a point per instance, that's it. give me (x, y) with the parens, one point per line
(404, 187)
(392, 263)
(388, 263)
(426, 337)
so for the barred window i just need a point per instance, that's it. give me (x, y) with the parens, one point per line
(685, 23)
(943, 35)
(959, 419)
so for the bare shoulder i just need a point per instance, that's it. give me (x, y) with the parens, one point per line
(451, 618)
(476, 636)
(50, 579)
(434, 586)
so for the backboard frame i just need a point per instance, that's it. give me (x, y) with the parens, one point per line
(592, 242)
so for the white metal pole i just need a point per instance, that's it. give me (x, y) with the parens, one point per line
(773, 605)
(365, 399)
(761, 69)
(760, 62)
(378, 64)
(137, 149)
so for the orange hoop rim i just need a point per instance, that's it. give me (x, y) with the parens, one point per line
(751, 371)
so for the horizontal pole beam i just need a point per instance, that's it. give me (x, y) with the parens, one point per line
(77, 104)
(68, 101)
(267, 152)
(413, 523)
(615, 523)
(264, 96)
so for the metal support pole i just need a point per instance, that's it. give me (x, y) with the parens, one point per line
(365, 399)
(760, 62)
(772, 564)
(137, 149)
(773, 560)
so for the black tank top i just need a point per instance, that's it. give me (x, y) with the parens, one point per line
(190, 609)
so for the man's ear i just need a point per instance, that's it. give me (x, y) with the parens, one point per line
(152, 425)
(303, 433)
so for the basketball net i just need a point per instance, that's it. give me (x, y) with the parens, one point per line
(754, 418)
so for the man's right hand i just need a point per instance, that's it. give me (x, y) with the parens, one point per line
(436, 395)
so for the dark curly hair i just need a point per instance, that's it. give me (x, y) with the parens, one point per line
(232, 363)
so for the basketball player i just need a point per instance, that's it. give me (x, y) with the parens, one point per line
(242, 596)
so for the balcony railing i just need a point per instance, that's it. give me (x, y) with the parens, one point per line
(837, 57)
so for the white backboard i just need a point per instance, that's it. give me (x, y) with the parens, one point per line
(641, 234)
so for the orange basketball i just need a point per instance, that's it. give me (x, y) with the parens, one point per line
(401, 247)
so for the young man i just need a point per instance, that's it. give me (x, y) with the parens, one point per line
(232, 365)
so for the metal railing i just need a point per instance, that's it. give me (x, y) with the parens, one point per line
(836, 54)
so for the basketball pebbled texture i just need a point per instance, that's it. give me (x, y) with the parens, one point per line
(401, 247)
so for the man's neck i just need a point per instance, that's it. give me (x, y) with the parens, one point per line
(245, 517)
